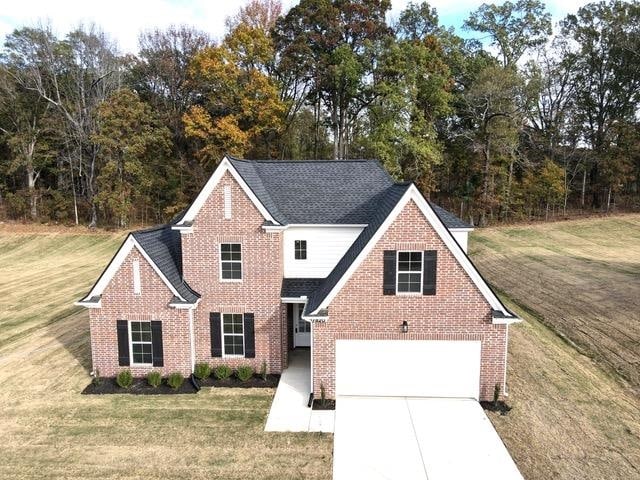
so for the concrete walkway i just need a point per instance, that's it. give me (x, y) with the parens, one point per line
(289, 411)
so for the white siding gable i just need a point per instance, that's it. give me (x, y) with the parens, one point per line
(461, 237)
(325, 247)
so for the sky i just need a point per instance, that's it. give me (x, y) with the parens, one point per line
(123, 20)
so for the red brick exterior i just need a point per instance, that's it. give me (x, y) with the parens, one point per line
(259, 291)
(120, 303)
(458, 311)
(359, 311)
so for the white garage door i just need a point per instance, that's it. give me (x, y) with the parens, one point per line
(408, 368)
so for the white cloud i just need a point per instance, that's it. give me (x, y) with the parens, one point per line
(124, 19)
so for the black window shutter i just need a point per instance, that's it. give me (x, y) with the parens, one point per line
(216, 335)
(389, 274)
(123, 343)
(429, 272)
(249, 336)
(156, 345)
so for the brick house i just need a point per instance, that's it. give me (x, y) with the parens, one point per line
(330, 256)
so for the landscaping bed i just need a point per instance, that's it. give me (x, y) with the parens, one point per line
(319, 404)
(140, 386)
(256, 381)
(499, 407)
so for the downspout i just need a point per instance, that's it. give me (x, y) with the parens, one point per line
(311, 367)
(506, 347)
(192, 342)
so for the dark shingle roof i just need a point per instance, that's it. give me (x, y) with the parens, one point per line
(385, 204)
(321, 192)
(448, 218)
(297, 287)
(164, 247)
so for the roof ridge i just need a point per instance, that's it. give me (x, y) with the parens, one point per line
(303, 160)
(151, 229)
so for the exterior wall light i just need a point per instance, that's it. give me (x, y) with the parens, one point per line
(405, 326)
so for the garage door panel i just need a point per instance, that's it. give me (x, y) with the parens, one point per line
(409, 368)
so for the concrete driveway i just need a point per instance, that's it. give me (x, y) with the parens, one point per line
(417, 438)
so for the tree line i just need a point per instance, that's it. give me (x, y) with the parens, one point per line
(534, 120)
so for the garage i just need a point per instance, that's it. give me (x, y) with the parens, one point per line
(417, 438)
(408, 409)
(408, 368)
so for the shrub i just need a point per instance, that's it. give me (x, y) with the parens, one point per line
(221, 372)
(244, 373)
(154, 379)
(97, 379)
(202, 370)
(124, 379)
(496, 394)
(175, 380)
(263, 370)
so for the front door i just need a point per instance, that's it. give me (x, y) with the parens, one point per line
(301, 328)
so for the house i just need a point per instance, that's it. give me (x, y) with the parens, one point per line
(333, 256)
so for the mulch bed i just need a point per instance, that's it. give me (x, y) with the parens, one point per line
(326, 405)
(500, 407)
(256, 381)
(139, 387)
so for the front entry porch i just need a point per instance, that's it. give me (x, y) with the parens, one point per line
(289, 411)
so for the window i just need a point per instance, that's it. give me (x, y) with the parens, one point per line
(141, 345)
(136, 277)
(409, 272)
(233, 334)
(227, 202)
(300, 247)
(231, 261)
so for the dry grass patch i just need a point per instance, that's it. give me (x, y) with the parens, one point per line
(580, 276)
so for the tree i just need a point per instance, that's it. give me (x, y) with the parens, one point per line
(27, 124)
(240, 111)
(132, 143)
(332, 45)
(607, 77)
(513, 28)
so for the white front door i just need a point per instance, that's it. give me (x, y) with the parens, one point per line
(301, 328)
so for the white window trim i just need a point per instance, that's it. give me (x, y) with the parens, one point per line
(131, 362)
(295, 250)
(419, 292)
(231, 280)
(227, 202)
(244, 350)
(137, 286)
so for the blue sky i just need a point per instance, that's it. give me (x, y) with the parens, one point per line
(124, 19)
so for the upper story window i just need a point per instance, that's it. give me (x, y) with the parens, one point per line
(300, 248)
(231, 262)
(141, 343)
(233, 334)
(409, 277)
(227, 202)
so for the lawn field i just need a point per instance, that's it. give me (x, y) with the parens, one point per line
(571, 419)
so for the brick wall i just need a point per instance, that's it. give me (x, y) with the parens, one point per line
(259, 291)
(458, 311)
(120, 303)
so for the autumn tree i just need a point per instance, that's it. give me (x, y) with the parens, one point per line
(132, 145)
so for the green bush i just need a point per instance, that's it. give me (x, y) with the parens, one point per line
(244, 373)
(221, 372)
(175, 380)
(124, 379)
(202, 370)
(154, 379)
(97, 379)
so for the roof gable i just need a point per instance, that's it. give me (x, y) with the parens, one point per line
(322, 297)
(161, 252)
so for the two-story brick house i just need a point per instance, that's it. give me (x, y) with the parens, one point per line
(333, 256)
